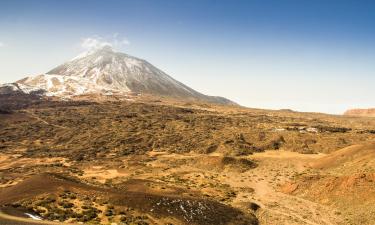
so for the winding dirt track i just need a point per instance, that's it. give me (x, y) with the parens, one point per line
(32, 115)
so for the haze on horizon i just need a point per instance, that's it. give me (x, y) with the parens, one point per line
(303, 55)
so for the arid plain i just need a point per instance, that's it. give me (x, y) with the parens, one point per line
(161, 161)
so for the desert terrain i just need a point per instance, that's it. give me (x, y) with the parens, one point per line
(159, 161)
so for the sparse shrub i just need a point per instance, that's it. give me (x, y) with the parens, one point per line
(253, 206)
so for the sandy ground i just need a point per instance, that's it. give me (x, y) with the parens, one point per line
(101, 175)
(260, 185)
(274, 169)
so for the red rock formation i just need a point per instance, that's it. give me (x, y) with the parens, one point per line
(360, 112)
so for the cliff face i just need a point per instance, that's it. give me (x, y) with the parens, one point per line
(361, 112)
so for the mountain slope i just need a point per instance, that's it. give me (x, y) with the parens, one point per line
(105, 71)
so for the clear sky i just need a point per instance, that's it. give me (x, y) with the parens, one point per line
(300, 54)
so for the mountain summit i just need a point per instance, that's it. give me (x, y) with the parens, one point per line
(105, 71)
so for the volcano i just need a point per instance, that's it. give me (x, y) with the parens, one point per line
(105, 71)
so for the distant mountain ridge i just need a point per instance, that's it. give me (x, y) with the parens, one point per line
(361, 112)
(107, 72)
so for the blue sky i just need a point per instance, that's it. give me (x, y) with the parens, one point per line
(298, 54)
